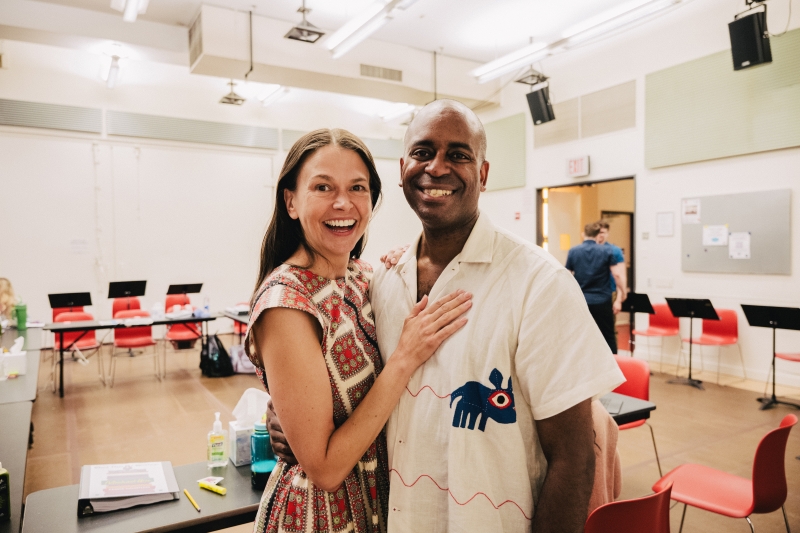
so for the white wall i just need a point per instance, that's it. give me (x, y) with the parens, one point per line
(80, 210)
(692, 31)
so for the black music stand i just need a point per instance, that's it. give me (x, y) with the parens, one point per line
(186, 288)
(70, 299)
(691, 309)
(762, 316)
(636, 303)
(126, 289)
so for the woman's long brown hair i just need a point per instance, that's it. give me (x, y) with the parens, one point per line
(285, 234)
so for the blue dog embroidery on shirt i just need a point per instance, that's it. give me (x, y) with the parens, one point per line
(477, 399)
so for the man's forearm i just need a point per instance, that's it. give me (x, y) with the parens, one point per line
(564, 500)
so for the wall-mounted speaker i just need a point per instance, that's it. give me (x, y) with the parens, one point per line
(541, 108)
(750, 41)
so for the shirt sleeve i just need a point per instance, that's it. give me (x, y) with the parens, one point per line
(562, 358)
(618, 253)
(277, 291)
(570, 265)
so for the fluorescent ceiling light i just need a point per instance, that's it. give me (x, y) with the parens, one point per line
(113, 73)
(601, 18)
(606, 22)
(272, 93)
(637, 11)
(364, 25)
(396, 111)
(510, 62)
(130, 8)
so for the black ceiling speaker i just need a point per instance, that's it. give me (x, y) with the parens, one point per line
(541, 108)
(750, 40)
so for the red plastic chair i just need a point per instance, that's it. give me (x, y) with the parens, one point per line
(722, 332)
(76, 342)
(793, 357)
(722, 493)
(650, 514)
(130, 338)
(125, 304)
(58, 310)
(240, 328)
(180, 332)
(637, 374)
(662, 324)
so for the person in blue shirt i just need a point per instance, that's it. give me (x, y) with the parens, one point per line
(591, 264)
(602, 238)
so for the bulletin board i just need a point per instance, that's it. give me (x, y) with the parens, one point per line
(748, 233)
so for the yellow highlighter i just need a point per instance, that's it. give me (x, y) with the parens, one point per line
(212, 488)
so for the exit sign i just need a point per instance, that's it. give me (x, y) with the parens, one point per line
(578, 166)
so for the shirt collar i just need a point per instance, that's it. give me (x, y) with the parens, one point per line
(477, 249)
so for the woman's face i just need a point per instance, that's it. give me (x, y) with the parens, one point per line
(332, 200)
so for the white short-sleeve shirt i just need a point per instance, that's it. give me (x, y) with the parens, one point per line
(463, 450)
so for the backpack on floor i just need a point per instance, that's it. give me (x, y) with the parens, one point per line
(214, 359)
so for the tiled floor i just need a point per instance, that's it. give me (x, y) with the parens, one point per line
(142, 419)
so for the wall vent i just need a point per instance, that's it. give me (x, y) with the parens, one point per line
(50, 116)
(382, 73)
(187, 130)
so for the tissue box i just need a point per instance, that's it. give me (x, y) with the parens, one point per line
(240, 443)
(14, 363)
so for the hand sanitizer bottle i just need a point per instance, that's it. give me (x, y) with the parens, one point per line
(217, 445)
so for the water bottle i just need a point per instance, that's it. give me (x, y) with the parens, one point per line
(262, 459)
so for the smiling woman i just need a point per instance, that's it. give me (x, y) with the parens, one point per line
(312, 339)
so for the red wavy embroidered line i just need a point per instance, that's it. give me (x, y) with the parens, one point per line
(430, 389)
(454, 498)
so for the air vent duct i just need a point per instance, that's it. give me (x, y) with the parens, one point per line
(382, 73)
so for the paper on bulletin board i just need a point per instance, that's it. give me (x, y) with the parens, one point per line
(739, 245)
(690, 210)
(715, 235)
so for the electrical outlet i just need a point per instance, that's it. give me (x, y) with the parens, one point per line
(645, 235)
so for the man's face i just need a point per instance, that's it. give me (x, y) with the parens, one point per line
(443, 172)
(602, 236)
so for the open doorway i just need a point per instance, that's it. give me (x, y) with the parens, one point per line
(563, 212)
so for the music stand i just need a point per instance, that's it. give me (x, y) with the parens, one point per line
(691, 308)
(70, 299)
(186, 288)
(762, 316)
(636, 303)
(126, 289)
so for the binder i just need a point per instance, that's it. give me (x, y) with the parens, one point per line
(105, 488)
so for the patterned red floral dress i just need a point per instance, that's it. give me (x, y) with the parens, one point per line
(291, 502)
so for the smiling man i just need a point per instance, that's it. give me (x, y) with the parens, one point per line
(495, 431)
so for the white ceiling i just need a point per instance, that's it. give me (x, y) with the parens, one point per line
(480, 30)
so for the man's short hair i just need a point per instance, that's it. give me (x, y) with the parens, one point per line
(591, 230)
(603, 224)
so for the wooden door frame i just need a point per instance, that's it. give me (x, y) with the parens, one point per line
(540, 209)
(632, 280)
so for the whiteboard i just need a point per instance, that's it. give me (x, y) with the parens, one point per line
(763, 218)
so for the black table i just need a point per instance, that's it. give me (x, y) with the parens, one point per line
(631, 410)
(242, 319)
(16, 423)
(22, 388)
(59, 328)
(56, 510)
